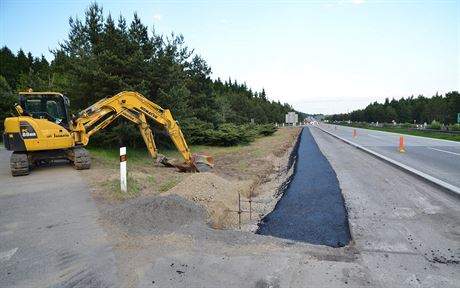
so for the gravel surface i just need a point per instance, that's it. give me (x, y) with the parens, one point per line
(149, 215)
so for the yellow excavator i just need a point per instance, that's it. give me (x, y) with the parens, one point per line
(45, 131)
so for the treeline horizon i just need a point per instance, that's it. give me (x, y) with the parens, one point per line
(420, 109)
(103, 56)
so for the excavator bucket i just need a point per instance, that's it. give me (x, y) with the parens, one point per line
(202, 163)
(198, 163)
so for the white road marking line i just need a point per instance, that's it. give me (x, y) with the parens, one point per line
(374, 136)
(443, 151)
(5, 256)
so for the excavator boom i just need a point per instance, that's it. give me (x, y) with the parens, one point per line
(137, 109)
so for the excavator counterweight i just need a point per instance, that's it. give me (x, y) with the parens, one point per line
(44, 130)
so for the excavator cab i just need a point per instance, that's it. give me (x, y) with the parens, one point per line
(51, 106)
(40, 133)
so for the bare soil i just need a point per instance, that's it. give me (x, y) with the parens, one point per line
(146, 215)
(255, 172)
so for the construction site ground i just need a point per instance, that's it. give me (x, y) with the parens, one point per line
(404, 235)
(255, 170)
(180, 230)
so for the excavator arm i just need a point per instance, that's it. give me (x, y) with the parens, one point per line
(137, 109)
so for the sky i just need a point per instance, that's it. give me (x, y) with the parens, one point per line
(319, 56)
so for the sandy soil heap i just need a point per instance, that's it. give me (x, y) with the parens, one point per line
(215, 193)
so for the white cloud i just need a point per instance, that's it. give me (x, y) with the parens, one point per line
(357, 1)
(157, 17)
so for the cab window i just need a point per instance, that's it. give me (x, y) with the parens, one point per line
(47, 107)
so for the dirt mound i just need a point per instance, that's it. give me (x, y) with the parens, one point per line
(217, 194)
(157, 214)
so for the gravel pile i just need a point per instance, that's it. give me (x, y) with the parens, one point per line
(157, 214)
(206, 187)
(218, 195)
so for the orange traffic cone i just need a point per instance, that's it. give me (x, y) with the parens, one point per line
(354, 133)
(401, 144)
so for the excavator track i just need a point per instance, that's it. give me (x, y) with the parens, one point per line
(80, 158)
(19, 164)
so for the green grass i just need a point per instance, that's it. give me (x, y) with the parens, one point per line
(410, 132)
(113, 186)
(151, 180)
(112, 155)
(241, 165)
(169, 183)
(140, 156)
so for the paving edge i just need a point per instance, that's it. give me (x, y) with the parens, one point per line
(431, 179)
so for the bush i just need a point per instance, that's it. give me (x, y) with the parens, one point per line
(195, 130)
(121, 133)
(266, 130)
(229, 135)
(435, 125)
(454, 127)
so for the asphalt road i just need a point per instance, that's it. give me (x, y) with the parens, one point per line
(314, 194)
(407, 231)
(49, 231)
(435, 157)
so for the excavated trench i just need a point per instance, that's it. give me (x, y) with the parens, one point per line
(312, 208)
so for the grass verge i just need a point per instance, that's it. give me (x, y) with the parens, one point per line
(113, 185)
(169, 183)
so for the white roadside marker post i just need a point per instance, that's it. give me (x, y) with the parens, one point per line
(123, 180)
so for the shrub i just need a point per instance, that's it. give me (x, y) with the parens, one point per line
(195, 130)
(454, 127)
(435, 125)
(266, 130)
(230, 134)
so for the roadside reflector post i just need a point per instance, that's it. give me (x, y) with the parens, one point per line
(123, 180)
(401, 144)
(354, 133)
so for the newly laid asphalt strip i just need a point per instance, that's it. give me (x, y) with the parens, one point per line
(312, 208)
